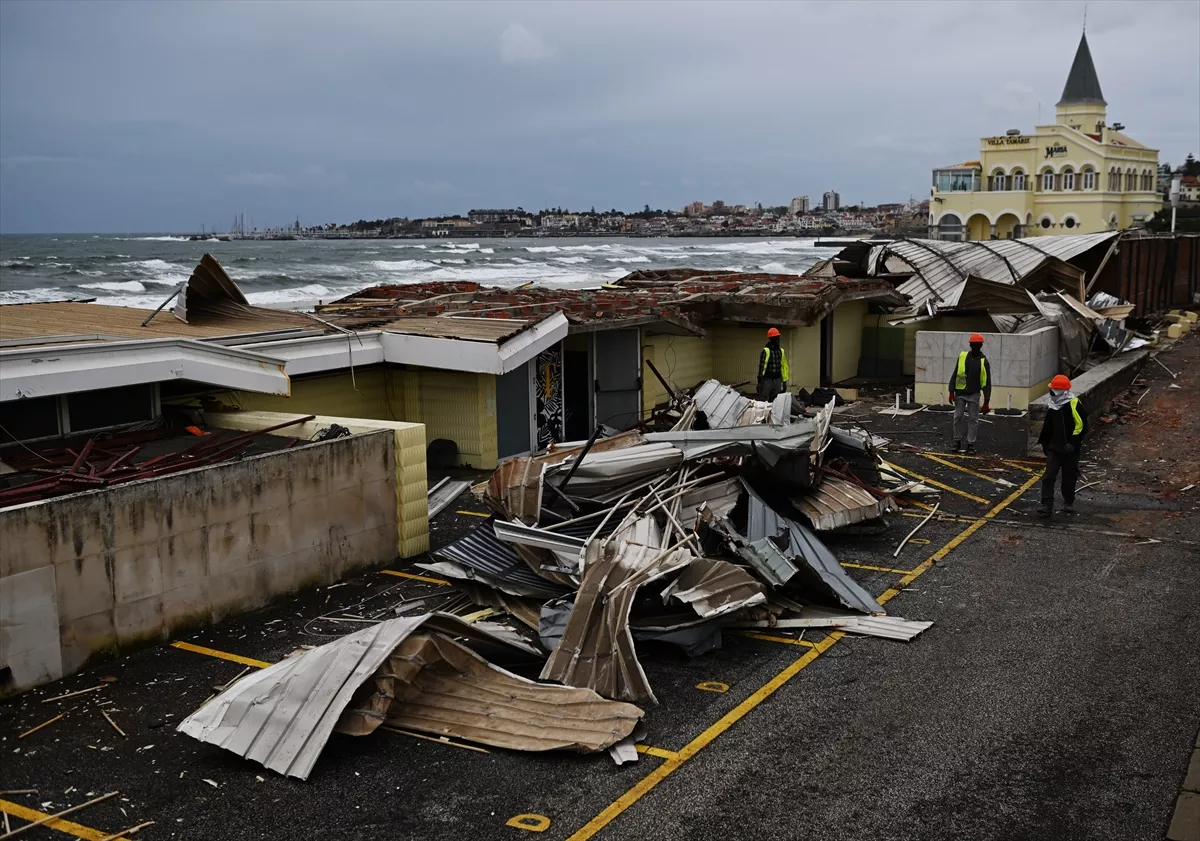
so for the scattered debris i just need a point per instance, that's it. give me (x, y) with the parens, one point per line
(113, 723)
(444, 493)
(40, 726)
(73, 694)
(22, 829)
(910, 535)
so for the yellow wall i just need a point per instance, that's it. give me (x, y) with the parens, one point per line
(736, 352)
(456, 405)
(683, 360)
(847, 339)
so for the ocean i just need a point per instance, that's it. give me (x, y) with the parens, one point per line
(139, 270)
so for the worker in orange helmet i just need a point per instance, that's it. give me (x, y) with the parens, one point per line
(772, 368)
(1062, 435)
(970, 385)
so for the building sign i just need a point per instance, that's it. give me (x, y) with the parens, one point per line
(1056, 151)
(1010, 140)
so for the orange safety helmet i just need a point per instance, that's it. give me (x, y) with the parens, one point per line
(1060, 383)
(976, 338)
(772, 333)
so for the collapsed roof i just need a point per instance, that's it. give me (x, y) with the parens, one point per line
(941, 275)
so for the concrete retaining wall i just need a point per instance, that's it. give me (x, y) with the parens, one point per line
(90, 574)
(1095, 389)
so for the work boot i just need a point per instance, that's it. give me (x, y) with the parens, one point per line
(957, 448)
(1044, 512)
(1069, 507)
(970, 449)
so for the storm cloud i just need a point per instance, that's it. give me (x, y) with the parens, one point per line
(139, 116)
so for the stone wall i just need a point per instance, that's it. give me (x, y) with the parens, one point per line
(91, 574)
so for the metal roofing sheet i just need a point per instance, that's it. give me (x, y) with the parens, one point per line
(444, 493)
(283, 715)
(481, 550)
(476, 329)
(828, 575)
(887, 627)
(714, 588)
(942, 267)
(720, 499)
(721, 404)
(836, 503)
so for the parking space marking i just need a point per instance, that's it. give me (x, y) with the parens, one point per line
(952, 465)
(651, 780)
(223, 655)
(771, 638)
(713, 686)
(936, 484)
(661, 753)
(892, 592)
(877, 569)
(443, 582)
(1029, 461)
(16, 810)
(531, 823)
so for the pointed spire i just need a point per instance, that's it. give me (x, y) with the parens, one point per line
(1083, 87)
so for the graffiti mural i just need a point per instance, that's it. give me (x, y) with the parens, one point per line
(548, 385)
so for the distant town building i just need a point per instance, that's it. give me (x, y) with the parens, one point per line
(1076, 176)
(798, 205)
(493, 217)
(696, 208)
(831, 200)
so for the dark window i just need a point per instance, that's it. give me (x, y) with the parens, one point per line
(1069, 222)
(110, 406)
(24, 419)
(1045, 223)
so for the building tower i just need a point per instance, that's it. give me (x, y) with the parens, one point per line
(1082, 105)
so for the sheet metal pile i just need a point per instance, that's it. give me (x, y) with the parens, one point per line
(115, 458)
(671, 536)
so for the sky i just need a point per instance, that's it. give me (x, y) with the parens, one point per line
(138, 116)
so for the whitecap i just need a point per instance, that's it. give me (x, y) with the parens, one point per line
(571, 259)
(541, 249)
(401, 265)
(638, 259)
(116, 286)
(411, 245)
(294, 295)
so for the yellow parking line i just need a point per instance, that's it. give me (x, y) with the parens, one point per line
(1029, 461)
(424, 578)
(651, 780)
(936, 484)
(659, 752)
(770, 638)
(223, 655)
(963, 535)
(58, 824)
(954, 466)
(1019, 466)
(877, 569)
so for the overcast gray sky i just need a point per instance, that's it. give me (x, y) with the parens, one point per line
(140, 116)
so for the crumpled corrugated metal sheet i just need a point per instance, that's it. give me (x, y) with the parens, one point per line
(720, 404)
(836, 503)
(282, 716)
(606, 470)
(715, 588)
(480, 550)
(720, 498)
(515, 489)
(597, 649)
(825, 574)
(942, 267)
(444, 493)
(887, 627)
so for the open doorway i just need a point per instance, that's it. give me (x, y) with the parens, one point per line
(827, 350)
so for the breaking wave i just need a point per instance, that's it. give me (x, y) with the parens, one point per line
(116, 286)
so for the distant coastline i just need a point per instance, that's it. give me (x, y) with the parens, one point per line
(534, 235)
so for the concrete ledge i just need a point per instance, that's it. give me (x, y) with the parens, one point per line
(1094, 388)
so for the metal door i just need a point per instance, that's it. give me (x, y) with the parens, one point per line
(514, 412)
(617, 361)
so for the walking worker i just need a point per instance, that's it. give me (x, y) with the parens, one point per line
(772, 368)
(970, 383)
(1061, 437)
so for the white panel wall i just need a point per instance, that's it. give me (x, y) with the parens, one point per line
(1018, 360)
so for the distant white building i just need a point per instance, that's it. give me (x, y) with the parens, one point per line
(832, 200)
(798, 205)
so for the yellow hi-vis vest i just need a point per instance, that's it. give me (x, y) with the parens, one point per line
(783, 366)
(961, 382)
(1074, 404)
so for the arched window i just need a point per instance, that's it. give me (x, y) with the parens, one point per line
(950, 227)
(1130, 184)
(1089, 178)
(1148, 181)
(1018, 179)
(1068, 179)
(998, 181)
(1048, 180)
(1114, 179)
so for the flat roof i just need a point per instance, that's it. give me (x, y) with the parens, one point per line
(459, 327)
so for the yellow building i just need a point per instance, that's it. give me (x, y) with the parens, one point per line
(1078, 175)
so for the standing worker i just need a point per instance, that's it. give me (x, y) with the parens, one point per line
(970, 381)
(772, 368)
(1061, 437)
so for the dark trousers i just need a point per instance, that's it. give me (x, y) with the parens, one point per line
(1068, 466)
(769, 389)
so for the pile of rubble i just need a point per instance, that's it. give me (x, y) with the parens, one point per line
(669, 536)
